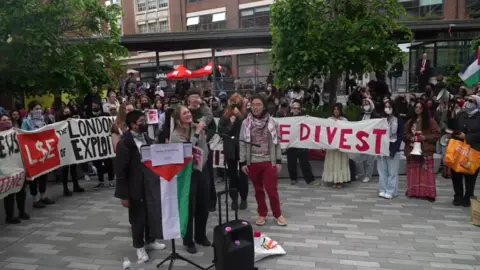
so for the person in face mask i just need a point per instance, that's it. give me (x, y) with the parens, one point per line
(20, 197)
(466, 128)
(132, 181)
(262, 163)
(364, 163)
(217, 110)
(145, 103)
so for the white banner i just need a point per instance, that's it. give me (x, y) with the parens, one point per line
(363, 137)
(67, 142)
(12, 173)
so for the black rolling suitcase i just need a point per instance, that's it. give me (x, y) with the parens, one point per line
(232, 241)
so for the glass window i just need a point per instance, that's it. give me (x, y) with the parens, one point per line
(473, 8)
(141, 5)
(207, 22)
(255, 17)
(142, 28)
(218, 17)
(427, 9)
(194, 1)
(246, 59)
(152, 4)
(152, 27)
(253, 68)
(162, 3)
(164, 26)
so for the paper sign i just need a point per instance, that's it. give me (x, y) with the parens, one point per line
(145, 153)
(152, 117)
(197, 158)
(187, 150)
(163, 154)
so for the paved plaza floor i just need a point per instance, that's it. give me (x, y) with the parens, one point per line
(328, 229)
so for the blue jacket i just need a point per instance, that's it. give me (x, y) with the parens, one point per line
(27, 124)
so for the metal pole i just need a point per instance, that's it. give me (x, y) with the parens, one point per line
(214, 69)
(157, 58)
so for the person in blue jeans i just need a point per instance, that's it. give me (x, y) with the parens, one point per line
(388, 166)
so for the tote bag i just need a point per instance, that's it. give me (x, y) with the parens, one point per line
(461, 157)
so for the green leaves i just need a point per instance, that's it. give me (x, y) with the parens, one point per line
(51, 46)
(319, 38)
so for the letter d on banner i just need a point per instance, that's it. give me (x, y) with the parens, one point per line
(40, 152)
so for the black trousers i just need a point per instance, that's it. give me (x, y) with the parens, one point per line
(9, 202)
(294, 154)
(238, 180)
(104, 166)
(457, 181)
(39, 185)
(73, 173)
(138, 218)
(198, 208)
(211, 180)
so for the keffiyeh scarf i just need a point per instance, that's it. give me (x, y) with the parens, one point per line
(256, 123)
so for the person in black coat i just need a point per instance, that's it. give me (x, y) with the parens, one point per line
(230, 125)
(423, 72)
(466, 128)
(90, 98)
(300, 154)
(132, 184)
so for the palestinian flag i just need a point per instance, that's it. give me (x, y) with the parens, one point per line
(175, 182)
(470, 73)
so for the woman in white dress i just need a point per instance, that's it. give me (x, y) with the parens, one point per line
(336, 170)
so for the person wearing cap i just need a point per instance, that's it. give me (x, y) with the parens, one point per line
(466, 128)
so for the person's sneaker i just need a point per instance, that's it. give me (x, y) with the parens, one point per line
(315, 183)
(243, 205)
(293, 182)
(78, 189)
(204, 242)
(142, 255)
(24, 216)
(366, 180)
(47, 201)
(111, 184)
(281, 221)
(99, 186)
(192, 249)
(234, 205)
(67, 193)
(39, 204)
(388, 196)
(381, 194)
(13, 220)
(155, 246)
(261, 221)
(87, 178)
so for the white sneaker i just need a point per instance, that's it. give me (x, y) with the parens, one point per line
(87, 178)
(388, 196)
(381, 194)
(142, 255)
(366, 180)
(155, 246)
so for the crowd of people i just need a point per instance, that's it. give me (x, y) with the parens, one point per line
(251, 118)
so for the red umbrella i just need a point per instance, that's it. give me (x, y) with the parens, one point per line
(181, 72)
(205, 71)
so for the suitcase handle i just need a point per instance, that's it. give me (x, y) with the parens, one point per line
(219, 199)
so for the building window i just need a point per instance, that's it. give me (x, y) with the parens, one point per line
(426, 9)
(152, 4)
(153, 27)
(141, 5)
(255, 17)
(142, 28)
(164, 26)
(207, 22)
(473, 9)
(253, 69)
(194, 1)
(162, 3)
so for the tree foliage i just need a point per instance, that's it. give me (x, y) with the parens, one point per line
(58, 45)
(333, 37)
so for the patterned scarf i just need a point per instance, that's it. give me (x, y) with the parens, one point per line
(259, 123)
(393, 123)
(37, 119)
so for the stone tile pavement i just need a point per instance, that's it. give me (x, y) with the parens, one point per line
(329, 229)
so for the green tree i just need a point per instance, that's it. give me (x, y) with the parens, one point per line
(58, 46)
(333, 37)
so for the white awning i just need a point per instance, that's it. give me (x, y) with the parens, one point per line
(218, 17)
(430, 2)
(193, 21)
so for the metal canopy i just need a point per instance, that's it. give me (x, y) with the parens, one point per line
(262, 37)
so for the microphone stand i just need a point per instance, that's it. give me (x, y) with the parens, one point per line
(236, 141)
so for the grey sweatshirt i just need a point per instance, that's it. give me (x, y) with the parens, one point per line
(200, 142)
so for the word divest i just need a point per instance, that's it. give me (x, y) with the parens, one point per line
(67, 142)
(369, 137)
(12, 172)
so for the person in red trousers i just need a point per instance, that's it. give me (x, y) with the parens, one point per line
(262, 163)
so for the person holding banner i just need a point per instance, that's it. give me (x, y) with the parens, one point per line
(262, 164)
(230, 124)
(336, 169)
(421, 128)
(33, 121)
(388, 166)
(20, 197)
(185, 131)
(131, 184)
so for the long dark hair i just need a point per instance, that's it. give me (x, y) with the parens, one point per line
(394, 108)
(425, 117)
(339, 107)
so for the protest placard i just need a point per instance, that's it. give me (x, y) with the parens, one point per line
(12, 173)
